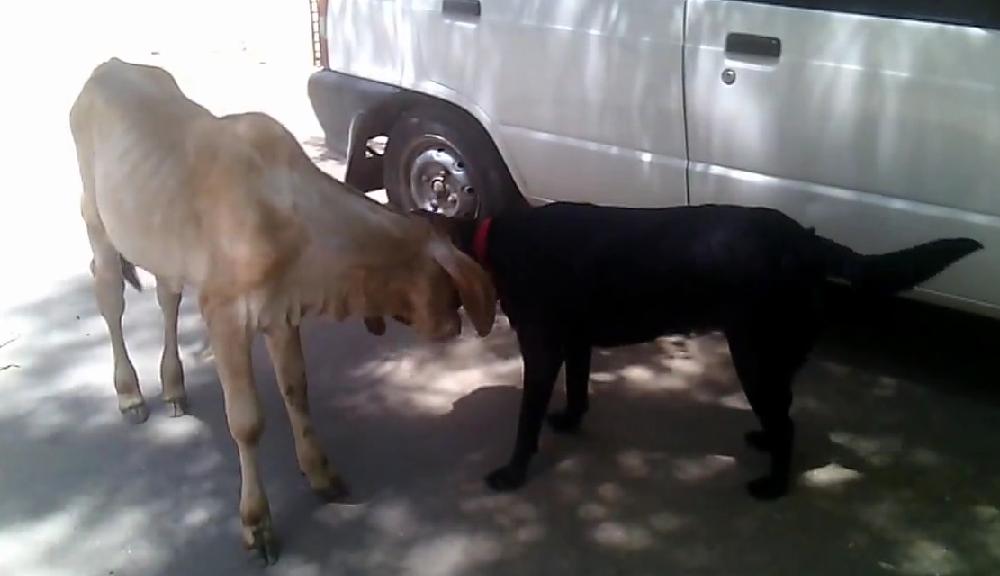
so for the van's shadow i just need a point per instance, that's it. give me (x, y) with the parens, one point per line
(653, 484)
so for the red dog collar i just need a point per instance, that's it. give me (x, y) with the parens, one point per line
(480, 242)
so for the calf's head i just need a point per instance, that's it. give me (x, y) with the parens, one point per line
(426, 287)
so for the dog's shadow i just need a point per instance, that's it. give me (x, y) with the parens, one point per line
(675, 399)
(876, 392)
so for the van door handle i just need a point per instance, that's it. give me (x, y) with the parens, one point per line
(738, 44)
(466, 8)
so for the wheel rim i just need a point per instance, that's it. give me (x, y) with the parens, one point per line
(438, 178)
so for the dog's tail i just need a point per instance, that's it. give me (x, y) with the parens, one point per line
(128, 273)
(886, 274)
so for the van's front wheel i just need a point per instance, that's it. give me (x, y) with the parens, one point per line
(440, 161)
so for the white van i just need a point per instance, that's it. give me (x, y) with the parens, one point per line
(876, 121)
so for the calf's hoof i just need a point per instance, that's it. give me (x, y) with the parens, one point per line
(136, 414)
(177, 407)
(507, 478)
(261, 543)
(334, 490)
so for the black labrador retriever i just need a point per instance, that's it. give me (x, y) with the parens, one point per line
(574, 276)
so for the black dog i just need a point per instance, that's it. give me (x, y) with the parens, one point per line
(574, 276)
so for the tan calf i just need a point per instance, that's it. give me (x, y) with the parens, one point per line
(233, 208)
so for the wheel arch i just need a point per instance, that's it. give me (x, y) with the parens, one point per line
(364, 170)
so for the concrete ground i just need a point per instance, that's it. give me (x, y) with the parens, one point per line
(898, 415)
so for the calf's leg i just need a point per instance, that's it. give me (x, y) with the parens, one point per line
(171, 369)
(109, 287)
(284, 344)
(231, 338)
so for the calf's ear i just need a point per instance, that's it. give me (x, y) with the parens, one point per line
(475, 289)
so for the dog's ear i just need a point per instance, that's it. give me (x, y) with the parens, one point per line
(475, 289)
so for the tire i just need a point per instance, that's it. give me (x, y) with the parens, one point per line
(443, 161)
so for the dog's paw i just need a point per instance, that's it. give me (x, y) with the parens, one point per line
(758, 440)
(506, 479)
(767, 488)
(565, 422)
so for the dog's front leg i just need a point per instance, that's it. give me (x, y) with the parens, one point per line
(543, 354)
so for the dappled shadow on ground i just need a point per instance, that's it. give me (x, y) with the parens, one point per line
(899, 470)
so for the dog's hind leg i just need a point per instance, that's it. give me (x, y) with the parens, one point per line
(577, 389)
(766, 366)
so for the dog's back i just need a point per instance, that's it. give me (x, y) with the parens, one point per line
(627, 275)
